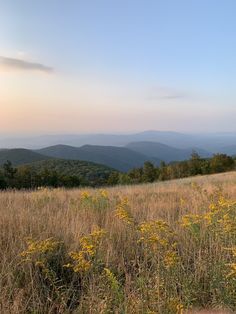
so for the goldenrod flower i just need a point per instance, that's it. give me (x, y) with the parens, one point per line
(189, 220)
(82, 260)
(103, 193)
(171, 259)
(85, 195)
(122, 212)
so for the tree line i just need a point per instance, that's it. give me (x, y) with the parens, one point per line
(175, 170)
(28, 178)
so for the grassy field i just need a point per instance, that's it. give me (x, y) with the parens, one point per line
(167, 247)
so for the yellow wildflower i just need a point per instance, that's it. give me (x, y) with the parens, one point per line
(233, 270)
(213, 207)
(179, 308)
(104, 193)
(175, 306)
(171, 259)
(156, 233)
(82, 261)
(122, 212)
(191, 219)
(85, 195)
(40, 247)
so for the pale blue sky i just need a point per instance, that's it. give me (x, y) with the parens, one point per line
(115, 65)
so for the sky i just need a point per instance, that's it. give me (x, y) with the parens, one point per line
(87, 66)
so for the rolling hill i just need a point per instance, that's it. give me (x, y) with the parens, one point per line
(20, 156)
(87, 171)
(164, 152)
(119, 158)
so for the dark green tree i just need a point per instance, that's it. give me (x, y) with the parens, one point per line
(149, 172)
(3, 183)
(9, 173)
(221, 163)
(136, 175)
(195, 164)
(113, 178)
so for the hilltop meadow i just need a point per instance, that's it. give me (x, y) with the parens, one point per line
(165, 247)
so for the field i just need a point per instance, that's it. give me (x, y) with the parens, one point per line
(167, 247)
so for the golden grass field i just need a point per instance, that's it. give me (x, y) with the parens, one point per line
(167, 247)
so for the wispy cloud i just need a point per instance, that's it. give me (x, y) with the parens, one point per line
(23, 65)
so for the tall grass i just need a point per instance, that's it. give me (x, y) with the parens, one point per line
(159, 248)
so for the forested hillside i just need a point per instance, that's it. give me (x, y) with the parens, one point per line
(119, 158)
(20, 156)
(74, 173)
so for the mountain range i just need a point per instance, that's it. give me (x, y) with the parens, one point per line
(119, 158)
(127, 152)
(165, 152)
(212, 142)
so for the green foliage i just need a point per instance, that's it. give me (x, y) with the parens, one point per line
(3, 183)
(113, 178)
(182, 169)
(221, 163)
(136, 175)
(195, 164)
(20, 156)
(54, 173)
(8, 170)
(74, 173)
(149, 172)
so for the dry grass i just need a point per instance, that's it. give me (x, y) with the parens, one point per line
(138, 276)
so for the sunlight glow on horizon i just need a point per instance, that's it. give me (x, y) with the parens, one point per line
(58, 105)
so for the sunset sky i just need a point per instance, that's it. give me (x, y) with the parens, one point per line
(75, 66)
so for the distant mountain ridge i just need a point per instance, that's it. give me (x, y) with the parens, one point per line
(79, 140)
(212, 142)
(120, 158)
(165, 152)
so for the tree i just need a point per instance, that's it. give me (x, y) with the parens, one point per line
(124, 178)
(49, 178)
(163, 171)
(136, 175)
(8, 170)
(3, 183)
(149, 172)
(221, 163)
(195, 164)
(9, 173)
(27, 178)
(113, 178)
(69, 181)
